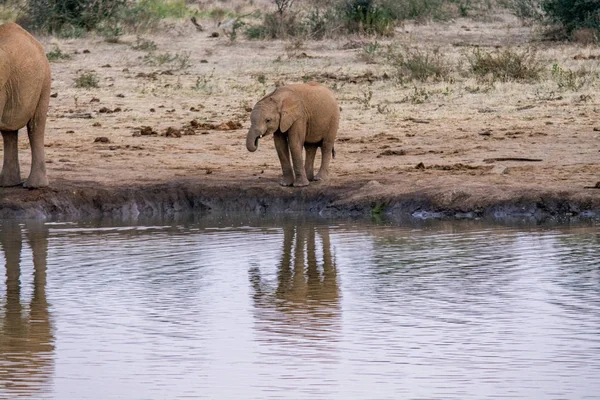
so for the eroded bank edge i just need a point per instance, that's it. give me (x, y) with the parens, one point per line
(75, 200)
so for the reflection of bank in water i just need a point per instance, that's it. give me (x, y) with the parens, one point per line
(302, 304)
(26, 333)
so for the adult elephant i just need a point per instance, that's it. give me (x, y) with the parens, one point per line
(301, 115)
(24, 98)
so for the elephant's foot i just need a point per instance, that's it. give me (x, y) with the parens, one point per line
(287, 181)
(320, 177)
(301, 182)
(8, 179)
(34, 182)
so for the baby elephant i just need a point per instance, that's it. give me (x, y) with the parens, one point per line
(24, 98)
(300, 115)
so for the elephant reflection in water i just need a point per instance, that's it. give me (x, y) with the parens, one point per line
(306, 298)
(26, 341)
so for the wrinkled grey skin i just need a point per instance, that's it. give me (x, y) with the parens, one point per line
(24, 98)
(301, 115)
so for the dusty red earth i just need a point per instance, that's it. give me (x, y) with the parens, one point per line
(164, 132)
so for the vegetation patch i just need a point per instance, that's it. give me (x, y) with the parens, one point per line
(567, 79)
(87, 80)
(417, 64)
(57, 55)
(177, 61)
(506, 65)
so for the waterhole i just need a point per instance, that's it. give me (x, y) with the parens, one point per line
(293, 308)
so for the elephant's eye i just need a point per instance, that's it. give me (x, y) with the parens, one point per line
(268, 120)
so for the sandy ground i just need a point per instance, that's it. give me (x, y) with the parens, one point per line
(459, 137)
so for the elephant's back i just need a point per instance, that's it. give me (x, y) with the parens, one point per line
(317, 96)
(17, 43)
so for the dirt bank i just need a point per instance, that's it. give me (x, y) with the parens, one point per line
(164, 131)
(68, 199)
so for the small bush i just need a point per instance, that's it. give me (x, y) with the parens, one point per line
(400, 10)
(366, 16)
(276, 26)
(204, 83)
(573, 14)
(177, 61)
(144, 44)
(87, 80)
(112, 32)
(525, 9)
(370, 52)
(507, 64)
(416, 64)
(161, 9)
(56, 16)
(145, 14)
(57, 55)
(567, 79)
(321, 22)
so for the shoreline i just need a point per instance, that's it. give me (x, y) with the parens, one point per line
(75, 200)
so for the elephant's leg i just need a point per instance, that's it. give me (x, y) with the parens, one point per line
(283, 151)
(326, 155)
(11, 173)
(35, 129)
(309, 163)
(296, 136)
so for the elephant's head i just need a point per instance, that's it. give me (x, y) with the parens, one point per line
(277, 111)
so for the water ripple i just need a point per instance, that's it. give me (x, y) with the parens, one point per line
(298, 309)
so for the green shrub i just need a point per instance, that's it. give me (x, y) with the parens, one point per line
(507, 64)
(321, 22)
(111, 31)
(54, 16)
(145, 14)
(569, 80)
(57, 54)
(417, 64)
(144, 44)
(161, 9)
(370, 52)
(400, 10)
(366, 16)
(87, 80)
(178, 60)
(573, 14)
(525, 9)
(276, 26)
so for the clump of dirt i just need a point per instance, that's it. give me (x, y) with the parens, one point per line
(152, 75)
(385, 136)
(189, 129)
(106, 110)
(102, 139)
(583, 57)
(146, 131)
(224, 126)
(392, 152)
(173, 132)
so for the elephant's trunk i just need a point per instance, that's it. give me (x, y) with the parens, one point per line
(252, 139)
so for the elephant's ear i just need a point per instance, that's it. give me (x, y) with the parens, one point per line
(291, 110)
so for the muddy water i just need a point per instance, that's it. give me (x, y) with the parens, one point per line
(298, 309)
